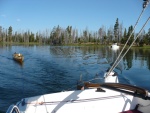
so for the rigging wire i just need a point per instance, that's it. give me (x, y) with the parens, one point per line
(133, 41)
(145, 4)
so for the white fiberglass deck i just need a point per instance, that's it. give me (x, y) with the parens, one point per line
(80, 101)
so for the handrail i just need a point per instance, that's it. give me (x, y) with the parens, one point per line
(13, 109)
(124, 88)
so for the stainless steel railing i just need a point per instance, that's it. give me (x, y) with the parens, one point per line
(13, 109)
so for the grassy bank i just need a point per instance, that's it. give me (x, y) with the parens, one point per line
(75, 44)
(17, 43)
(84, 44)
(142, 47)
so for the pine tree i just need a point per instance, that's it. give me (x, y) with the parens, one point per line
(116, 30)
(130, 29)
(10, 33)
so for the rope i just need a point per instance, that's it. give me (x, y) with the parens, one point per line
(82, 83)
(145, 4)
(133, 41)
(119, 56)
(74, 101)
(113, 66)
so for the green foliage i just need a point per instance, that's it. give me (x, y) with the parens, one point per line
(116, 28)
(31, 38)
(123, 41)
(141, 43)
(10, 34)
(10, 31)
(129, 35)
(137, 41)
(69, 35)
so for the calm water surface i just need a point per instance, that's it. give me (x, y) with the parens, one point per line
(48, 69)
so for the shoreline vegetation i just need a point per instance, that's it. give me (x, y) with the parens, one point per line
(74, 44)
(72, 36)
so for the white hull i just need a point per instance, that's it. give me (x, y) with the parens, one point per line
(110, 97)
(83, 101)
(111, 78)
(114, 47)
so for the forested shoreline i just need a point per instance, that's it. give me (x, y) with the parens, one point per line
(65, 36)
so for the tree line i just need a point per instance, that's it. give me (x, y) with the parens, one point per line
(70, 35)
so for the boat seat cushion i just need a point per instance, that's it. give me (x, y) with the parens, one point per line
(131, 111)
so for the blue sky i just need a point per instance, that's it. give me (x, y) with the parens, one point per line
(39, 15)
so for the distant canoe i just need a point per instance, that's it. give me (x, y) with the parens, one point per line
(18, 57)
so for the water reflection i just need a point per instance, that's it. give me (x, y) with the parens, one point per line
(89, 55)
(104, 57)
(49, 69)
(94, 55)
(140, 56)
(19, 63)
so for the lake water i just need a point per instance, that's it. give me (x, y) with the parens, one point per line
(48, 69)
